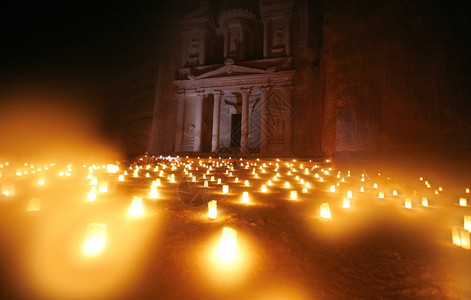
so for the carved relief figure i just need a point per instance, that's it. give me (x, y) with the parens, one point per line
(189, 133)
(193, 52)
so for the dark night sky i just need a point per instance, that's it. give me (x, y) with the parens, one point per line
(82, 47)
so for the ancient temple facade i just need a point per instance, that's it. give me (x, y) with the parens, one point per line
(235, 81)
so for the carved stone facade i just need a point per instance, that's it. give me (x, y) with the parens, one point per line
(243, 103)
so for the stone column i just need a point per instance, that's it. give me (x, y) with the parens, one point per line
(199, 121)
(288, 96)
(180, 95)
(216, 118)
(264, 121)
(244, 126)
(265, 38)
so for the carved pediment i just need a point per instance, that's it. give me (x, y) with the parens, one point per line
(231, 69)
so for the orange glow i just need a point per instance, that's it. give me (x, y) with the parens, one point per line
(95, 239)
(294, 195)
(34, 204)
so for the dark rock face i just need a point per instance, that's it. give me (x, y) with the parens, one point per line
(396, 75)
(372, 76)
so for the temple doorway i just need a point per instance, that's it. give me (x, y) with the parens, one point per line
(235, 130)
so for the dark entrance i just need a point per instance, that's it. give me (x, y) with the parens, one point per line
(235, 130)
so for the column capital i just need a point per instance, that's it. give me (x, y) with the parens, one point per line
(180, 94)
(218, 93)
(200, 95)
(246, 91)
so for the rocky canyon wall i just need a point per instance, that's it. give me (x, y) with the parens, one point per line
(396, 76)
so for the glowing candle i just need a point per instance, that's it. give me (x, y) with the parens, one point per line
(375, 185)
(95, 239)
(34, 204)
(41, 182)
(94, 181)
(121, 177)
(264, 188)
(467, 190)
(463, 202)
(103, 187)
(325, 211)
(212, 209)
(424, 201)
(228, 244)
(136, 209)
(92, 194)
(332, 188)
(154, 193)
(467, 223)
(408, 203)
(349, 194)
(110, 168)
(287, 185)
(394, 193)
(205, 183)
(236, 180)
(460, 237)
(136, 173)
(246, 183)
(225, 189)
(346, 202)
(294, 195)
(245, 197)
(219, 181)
(305, 190)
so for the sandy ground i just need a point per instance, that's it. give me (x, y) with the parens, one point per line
(377, 249)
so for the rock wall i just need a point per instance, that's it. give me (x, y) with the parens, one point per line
(396, 75)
